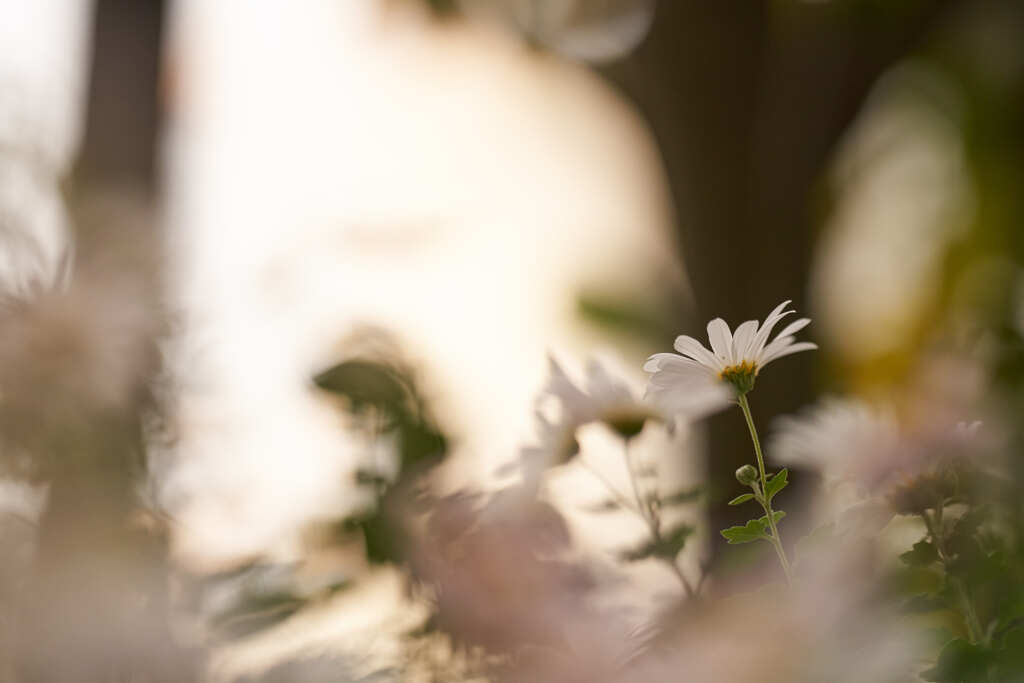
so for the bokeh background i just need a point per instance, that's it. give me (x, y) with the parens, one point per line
(248, 248)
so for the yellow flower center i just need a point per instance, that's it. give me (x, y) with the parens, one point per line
(741, 376)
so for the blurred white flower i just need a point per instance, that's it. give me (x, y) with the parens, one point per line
(701, 381)
(837, 437)
(872, 461)
(604, 398)
(967, 430)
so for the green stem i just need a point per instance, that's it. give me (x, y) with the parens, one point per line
(975, 632)
(619, 498)
(765, 503)
(653, 521)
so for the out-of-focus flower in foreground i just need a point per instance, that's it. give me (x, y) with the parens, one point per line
(836, 437)
(909, 467)
(702, 381)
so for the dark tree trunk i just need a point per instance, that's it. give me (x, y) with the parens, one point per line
(747, 101)
(95, 609)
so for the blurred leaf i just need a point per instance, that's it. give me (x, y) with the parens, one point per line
(665, 547)
(383, 538)
(624, 317)
(443, 8)
(974, 517)
(922, 554)
(742, 498)
(674, 542)
(684, 496)
(924, 603)
(971, 561)
(960, 662)
(397, 409)
(915, 580)
(776, 484)
(641, 552)
(365, 384)
(1011, 655)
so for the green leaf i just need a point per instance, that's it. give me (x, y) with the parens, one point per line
(922, 554)
(776, 484)
(674, 542)
(684, 496)
(666, 547)
(960, 662)
(641, 552)
(924, 603)
(776, 516)
(1011, 654)
(743, 498)
(752, 531)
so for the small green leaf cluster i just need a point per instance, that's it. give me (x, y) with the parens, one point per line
(971, 580)
(662, 544)
(757, 529)
(754, 530)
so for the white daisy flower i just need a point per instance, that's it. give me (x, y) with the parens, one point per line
(702, 381)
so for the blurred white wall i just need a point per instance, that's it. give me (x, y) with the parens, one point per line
(337, 164)
(43, 68)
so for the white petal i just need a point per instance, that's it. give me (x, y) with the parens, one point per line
(787, 350)
(777, 312)
(766, 329)
(741, 340)
(689, 346)
(721, 339)
(794, 327)
(560, 385)
(693, 393)
(676, 370)
(773, 346)
(655, 362)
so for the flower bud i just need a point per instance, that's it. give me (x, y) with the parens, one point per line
(746, 475)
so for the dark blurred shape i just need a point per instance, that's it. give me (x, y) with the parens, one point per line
(748, 101)
(123, 113)
(75, 366)
(76, 362)
(385, 397)
(382, 399)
